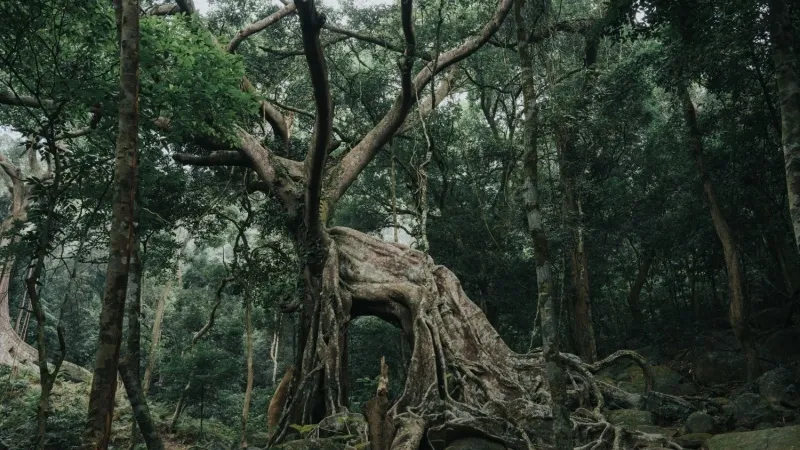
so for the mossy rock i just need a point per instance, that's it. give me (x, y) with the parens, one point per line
(693, 440)
(786, 438)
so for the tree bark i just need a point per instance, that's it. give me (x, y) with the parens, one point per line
(739, 305)
(787, 72)
(636, 289)
(556, 378)
(130, 361)
(248, 392)
(156, 336)
(13, 348)
(104, 382)
(582, 327)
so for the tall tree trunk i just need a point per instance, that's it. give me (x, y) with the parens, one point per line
(159, 318)
(46, 377)
(636, 289)
(787, 72)
(156, 336)
(130, 362)
(555, 374)
(582, 327)
(739, 307)
(104, 382)
(248, 392)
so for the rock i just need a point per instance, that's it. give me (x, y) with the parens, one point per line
(475, 444)
(630, 417)
(665, 380)
(751, 409)
(715, 367)
(343, 424)
(786, 438)
(699, 422)
(774, 385)
(782, 345)
(692, 440)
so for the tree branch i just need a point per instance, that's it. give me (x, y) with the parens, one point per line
(428, 104)
(164, 10)
(351, 165)
(310, 24)
(261, 25)
(9, 98)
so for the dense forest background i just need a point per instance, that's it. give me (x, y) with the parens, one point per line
(653, 144)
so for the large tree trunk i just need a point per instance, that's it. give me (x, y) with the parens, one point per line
(739, 307)
(555, 375)
(787, 72)
(129, 364)
(13, 348)
(462, 378)
(104, 382)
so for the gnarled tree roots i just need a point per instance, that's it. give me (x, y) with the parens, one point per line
(463, 380)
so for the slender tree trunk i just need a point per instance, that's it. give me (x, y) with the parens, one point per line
(104, 382)
(248, 392)
(555, 374)
(787, 72)
(636, 289)
(156, 336)
(200, 333)
(46, 377)
(129, 364)
(739, 307)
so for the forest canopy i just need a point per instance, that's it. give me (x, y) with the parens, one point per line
(399, 224)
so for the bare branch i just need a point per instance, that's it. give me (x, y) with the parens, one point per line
(373, 40)
(261, 25)
(164, 10)
(310, 24)
(354, 162)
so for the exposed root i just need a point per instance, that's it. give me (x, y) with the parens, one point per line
(462, 380)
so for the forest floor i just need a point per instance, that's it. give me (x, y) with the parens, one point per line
(702, 366)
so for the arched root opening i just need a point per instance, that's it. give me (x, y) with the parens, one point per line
(462, 380)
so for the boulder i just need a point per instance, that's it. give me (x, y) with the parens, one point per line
(692, 440)
(751, 409)
(719, 367)
(777, 386)
(786, 438)
(699, 422)
(630, 418)
(665, 380)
